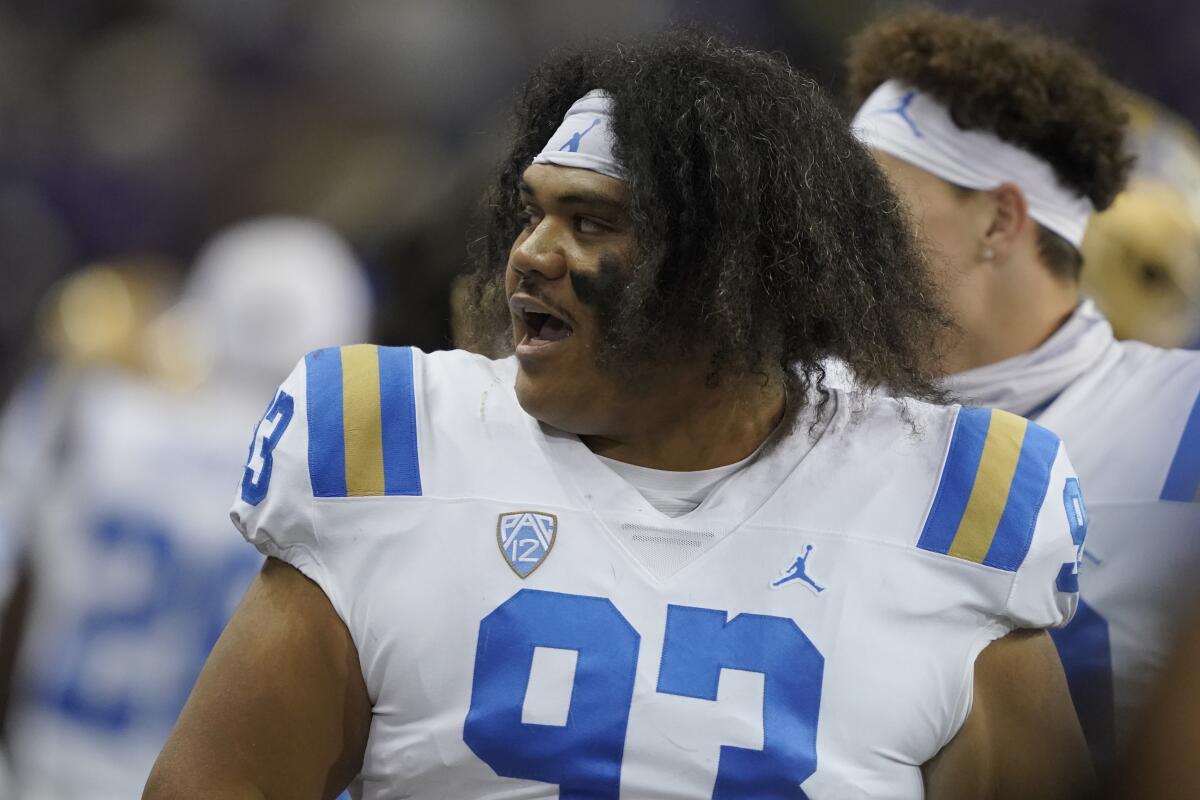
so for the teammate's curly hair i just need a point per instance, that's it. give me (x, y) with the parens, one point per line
(767, 238)
(1031, 91)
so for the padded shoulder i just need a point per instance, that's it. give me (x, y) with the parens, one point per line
(362, 421)
(1133, 426)
(394, 421)
(1178, 383)
(993, 483)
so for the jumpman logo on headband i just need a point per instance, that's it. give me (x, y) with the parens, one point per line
(797, 572)
(902, 110)
(572, 145)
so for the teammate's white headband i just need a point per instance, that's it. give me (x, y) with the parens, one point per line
(584, 139)
(913, 127)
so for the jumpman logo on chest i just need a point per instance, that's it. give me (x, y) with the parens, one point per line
(798, 571)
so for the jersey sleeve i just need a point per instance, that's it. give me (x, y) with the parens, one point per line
(273, 503)
(1045, 590)
(1008, 499)
(342, 426)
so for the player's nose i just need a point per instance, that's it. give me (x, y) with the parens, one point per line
(541, 252)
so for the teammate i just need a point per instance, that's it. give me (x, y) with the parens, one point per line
(1003, 143)
(134, 573)
(555, 575)
(93, 320)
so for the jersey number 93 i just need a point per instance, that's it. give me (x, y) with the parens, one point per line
(584, 756)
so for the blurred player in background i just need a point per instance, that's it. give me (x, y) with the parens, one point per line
(1143, 252)
(1003, 144)
(650, 556)
(135, 570)
(95, 320)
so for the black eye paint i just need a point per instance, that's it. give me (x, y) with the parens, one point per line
(602, 289)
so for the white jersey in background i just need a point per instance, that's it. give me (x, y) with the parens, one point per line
(529, 626)
(1129, 414)
(134, 580)
(121, 503)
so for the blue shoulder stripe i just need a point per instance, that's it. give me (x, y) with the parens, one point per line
(362, 422)
(326, 439)
(398, 407)
(1183, 478)
(1030, 482)
(992, 487)
(958, 477)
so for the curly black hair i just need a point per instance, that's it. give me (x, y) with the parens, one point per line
(1032, 91)
(767, 238)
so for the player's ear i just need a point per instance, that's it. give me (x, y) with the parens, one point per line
(1009, 218)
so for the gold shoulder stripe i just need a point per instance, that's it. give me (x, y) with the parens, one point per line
(993, 481)
(362, 423)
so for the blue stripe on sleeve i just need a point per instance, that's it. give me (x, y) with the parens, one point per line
(958, 477)
(398, 411)
(1183, 479)
(326, 437)
(1025, 497)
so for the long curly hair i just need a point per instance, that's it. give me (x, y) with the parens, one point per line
(767, 239)
(1031, 91)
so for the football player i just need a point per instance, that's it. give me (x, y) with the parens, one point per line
(134, 574)
(94, 320)
(649, 556)
(1003, 144)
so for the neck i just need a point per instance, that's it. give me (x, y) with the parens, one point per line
(717, 427)
(1024, 308)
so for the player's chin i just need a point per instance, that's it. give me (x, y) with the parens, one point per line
(546, 397)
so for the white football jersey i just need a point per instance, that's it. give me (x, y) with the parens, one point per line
(135, 577)
(1132, 423)
(528, 626)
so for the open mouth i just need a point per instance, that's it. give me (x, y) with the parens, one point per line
(541, 326)
(546, 327)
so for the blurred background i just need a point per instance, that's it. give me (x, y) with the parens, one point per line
(336, 149)
(137, 128)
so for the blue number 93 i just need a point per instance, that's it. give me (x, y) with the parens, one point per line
(584, 756)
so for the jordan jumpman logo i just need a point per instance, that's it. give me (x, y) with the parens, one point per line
(796, 572)
(572, 145)
(902, 110)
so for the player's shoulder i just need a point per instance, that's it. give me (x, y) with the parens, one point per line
(1158, 384)
(1179, 371)
(382, 374)
(959, 481)
(382, 420)
(995, 477)
(988, 497)
(1135, 426)
(1167, 377)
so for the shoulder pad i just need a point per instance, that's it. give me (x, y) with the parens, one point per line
(1183, 476)
(993, 483)
(362, 422)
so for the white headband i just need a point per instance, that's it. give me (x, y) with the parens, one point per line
(913, 127)
(584, 139)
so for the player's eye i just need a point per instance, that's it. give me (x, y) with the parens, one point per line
(528, 217)
(589, 225)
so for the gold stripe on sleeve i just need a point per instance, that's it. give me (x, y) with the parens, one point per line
(989, 493)
(361, 417)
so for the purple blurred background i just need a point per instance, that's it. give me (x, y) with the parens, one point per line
(143, 126)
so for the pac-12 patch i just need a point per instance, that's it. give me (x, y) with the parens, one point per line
(525, 539)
